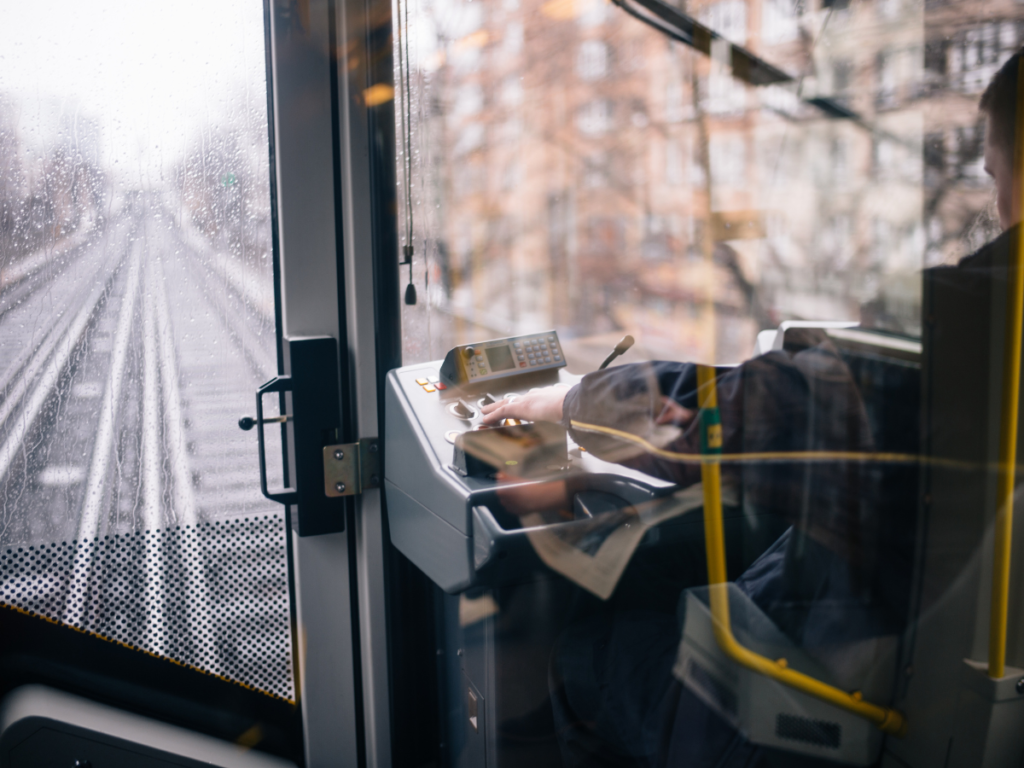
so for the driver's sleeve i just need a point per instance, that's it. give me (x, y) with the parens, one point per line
(764, 405)
(614, 413)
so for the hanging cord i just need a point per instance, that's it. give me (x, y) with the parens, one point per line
(403, 74)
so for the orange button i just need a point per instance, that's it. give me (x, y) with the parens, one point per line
(429, 388)
(422, 382)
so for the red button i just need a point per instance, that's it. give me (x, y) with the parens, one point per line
(522, 365)
(439, 385)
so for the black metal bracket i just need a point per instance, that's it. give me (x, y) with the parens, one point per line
(313, 420)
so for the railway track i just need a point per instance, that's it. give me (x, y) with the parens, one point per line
(129, 500)
(21, 278)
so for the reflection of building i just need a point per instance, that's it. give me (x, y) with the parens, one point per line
(584, 172)
(967, 42)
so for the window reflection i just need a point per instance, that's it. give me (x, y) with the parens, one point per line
(672, 199)
(514, 107)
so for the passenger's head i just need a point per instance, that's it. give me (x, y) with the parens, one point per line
(999, 104)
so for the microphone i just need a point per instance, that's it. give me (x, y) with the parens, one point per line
(410, 289)
(620, 348)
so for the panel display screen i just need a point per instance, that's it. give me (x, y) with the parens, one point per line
(500, 358)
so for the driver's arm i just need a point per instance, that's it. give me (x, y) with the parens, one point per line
(654, 401)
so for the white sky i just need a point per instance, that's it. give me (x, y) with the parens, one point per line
(150, 75)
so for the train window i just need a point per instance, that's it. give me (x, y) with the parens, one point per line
(777, 531)
(136, 318)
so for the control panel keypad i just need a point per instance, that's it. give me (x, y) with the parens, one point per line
(538, 350)
(500, 358)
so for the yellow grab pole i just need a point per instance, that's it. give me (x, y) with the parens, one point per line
(1009, 412)
(889, 720)
(711, 478)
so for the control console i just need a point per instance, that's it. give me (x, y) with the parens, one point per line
(443, 467)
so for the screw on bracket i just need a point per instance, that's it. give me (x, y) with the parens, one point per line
(339, 487)
(339, 455)
(1020, 686)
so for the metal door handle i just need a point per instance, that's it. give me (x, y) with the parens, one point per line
(277, 384)
(248, 422)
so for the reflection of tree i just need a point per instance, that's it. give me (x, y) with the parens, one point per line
(727, 257)
(587, 218)
(47, 192)
(959, 210)
(222, 182)
(544, 168)
(12, 183)
(70, 186)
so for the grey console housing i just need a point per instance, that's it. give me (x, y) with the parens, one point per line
(430, 505)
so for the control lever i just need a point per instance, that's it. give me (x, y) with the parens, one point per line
(620, 348)
(462, 410)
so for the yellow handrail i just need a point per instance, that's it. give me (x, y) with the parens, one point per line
(889, 720)
(1008, 427)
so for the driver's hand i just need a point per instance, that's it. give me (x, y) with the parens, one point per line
(521, 498)
(544, 404)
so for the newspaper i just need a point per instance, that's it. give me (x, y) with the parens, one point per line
(594, 552)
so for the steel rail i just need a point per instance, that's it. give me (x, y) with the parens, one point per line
(191, 553)
(96, 481)
(184, 503)
(44, 370)
(154, 569)
(151, 459)
(23, 371)
(262, 362)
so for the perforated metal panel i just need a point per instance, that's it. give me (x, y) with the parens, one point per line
(819, 732)
(213, 596)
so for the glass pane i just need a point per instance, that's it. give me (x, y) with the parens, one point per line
(572, 168)
(136, 319)
(768, 533)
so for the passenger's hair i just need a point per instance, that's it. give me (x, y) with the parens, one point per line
(999, 103)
